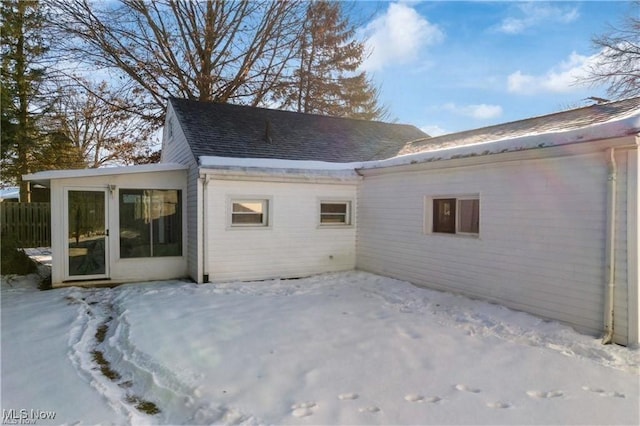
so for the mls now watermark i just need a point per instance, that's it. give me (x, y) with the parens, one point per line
(23, 416)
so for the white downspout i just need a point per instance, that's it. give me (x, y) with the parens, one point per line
(205, 239)
(610, 255)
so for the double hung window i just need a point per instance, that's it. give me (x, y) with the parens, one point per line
(335, 213)
(250, 212)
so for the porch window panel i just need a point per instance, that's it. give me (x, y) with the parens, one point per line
(135, 219)
(150, 223)
(166, 223)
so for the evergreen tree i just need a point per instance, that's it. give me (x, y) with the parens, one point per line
(57, 152)
(326, 81)
(21, 77)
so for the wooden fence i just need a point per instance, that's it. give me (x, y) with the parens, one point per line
(27, 223)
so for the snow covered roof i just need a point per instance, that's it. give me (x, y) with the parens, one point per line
(281, 168)
(623, 121)
(46, 176)
(226, 130)
(557, 123)
(606, 130)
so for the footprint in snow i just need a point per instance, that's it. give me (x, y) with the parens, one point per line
(371, 409)
(602, 392)
(465, 388)
(498, 405)
(543, 395)
(303, 409)
(414, 398)
(346, 396)
(419, 398)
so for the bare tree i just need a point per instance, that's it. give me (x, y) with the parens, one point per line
(618, 64)
(225, 51)
(97, 125)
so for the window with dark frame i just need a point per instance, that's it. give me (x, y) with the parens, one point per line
(456, 215)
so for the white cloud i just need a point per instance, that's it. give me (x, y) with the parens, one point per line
(478, 111)
(434, 130)
(397, 37)
(532, 14)
(562, 78)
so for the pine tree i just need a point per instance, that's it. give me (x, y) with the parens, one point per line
(326, 81)
(21, 77)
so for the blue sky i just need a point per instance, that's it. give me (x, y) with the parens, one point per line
(447, 66)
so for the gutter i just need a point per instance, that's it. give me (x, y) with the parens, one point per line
(205, 231)
(610, 251)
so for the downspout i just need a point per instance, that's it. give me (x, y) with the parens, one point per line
(610, 255)
(205, 239)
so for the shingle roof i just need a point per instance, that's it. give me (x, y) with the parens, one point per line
(557, 122)
(226, 130)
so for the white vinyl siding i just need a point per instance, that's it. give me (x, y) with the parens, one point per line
(292, 246)
(177, 151)
(541, 243)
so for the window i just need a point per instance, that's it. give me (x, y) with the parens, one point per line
(150, 223)
(335, 213)
(456, 215)
(249, 212)
(170, 128)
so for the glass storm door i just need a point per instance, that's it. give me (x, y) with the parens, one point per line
(86, 234)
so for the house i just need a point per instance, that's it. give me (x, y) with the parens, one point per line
(540, 215)
(192, 215)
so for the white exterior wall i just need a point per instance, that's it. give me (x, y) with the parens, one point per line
(175, 149)
(120, 270)
(293, 245)
(541, 243)
(633, 242)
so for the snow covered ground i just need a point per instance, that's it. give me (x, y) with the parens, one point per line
(347, 348)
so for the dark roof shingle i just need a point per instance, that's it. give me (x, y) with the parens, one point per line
(227, 130)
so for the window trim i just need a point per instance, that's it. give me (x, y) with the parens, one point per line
(267, 206)
(349, 217)
(429, 214)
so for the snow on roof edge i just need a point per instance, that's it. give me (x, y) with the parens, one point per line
(105, 171)
(610, 129)
(275, 163)
(606, 130)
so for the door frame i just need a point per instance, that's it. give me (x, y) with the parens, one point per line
(65, 207)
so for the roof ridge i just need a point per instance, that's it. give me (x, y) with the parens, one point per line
(284, 111)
